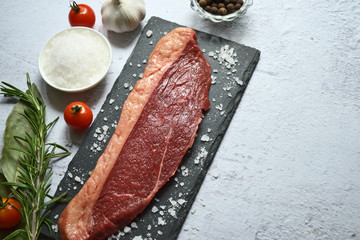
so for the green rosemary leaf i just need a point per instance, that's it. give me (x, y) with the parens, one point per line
(17, 234)
(31, 184)
(13, 184)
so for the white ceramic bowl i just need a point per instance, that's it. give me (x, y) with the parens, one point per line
(75, 59)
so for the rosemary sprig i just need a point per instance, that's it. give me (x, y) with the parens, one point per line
(34, 173)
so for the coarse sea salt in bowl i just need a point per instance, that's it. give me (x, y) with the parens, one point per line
(75, 59)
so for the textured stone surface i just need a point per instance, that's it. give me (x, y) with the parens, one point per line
(288, 167)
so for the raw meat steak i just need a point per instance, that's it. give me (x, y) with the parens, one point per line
(157, 126)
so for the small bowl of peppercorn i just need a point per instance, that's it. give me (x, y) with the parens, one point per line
(220, 10)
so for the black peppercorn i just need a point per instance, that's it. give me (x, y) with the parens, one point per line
(208, 8)
(203, 3)
(214, 10)
(222, 11)
(220, 7)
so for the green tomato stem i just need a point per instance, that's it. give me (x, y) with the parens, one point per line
(75, 109)
(75, 7)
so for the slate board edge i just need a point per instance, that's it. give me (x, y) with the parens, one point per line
(215, 145)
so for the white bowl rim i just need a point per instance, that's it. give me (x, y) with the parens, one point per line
(74, 90)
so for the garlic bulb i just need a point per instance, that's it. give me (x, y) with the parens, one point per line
(122, 15)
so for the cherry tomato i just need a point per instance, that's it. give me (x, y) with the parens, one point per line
(9, 215)
(78, 115)
(81, 15)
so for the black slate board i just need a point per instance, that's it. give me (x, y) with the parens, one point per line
(165, 215)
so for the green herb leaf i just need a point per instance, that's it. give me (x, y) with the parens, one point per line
(16, 125)
(33, 168)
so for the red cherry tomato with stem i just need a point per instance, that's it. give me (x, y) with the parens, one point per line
(81, 15)
(78, 115)
(9, 215)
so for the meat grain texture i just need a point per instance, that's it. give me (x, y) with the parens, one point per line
(157, 126)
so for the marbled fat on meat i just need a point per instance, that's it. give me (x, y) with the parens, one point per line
(157, 126)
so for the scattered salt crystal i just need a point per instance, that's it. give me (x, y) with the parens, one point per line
(55, 227)
(173, 202)
(144, 61)
(219, 107)
(130, 64)
(127, 229)
(161, 221)
(77, 179)
(138, 238)
(154, 209)
(141, 75)
(70, 175)
(213, 79)
(149, 33)
(133, 225)
(172, 212)
(159, 232)
(149, 227)
(205, 138)
(151, 42)
(185, 172)
(202, 155)
(138, 65)
(181, 201)
(134, 75)
(238, 81)
(126, 85)
(111, 101)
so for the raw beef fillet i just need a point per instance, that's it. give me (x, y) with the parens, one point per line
(157, 126)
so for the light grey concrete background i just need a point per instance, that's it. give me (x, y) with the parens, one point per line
(289, 165)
